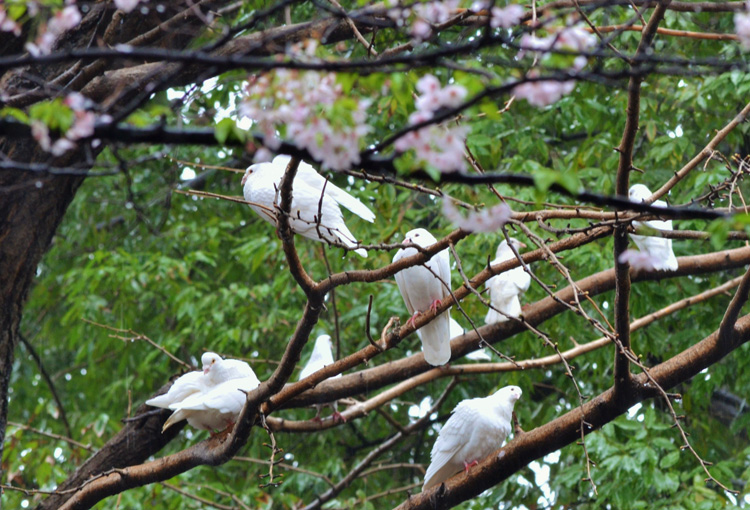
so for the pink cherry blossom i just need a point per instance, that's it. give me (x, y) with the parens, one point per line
(742, 26)
(543, 93)
(75, 101)
(487, 220)
(639, 259)
(8, 24)
(83, 126)
(437, 145)
(127, 5)
(62, 21)
(506, 17)
(302, 106)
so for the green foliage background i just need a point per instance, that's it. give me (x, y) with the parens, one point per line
(195, 274)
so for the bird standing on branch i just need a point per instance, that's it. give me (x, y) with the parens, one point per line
(507, 288)
(659, 249)
(315, 211)
(322, 356)
(476, 428)
(424, 287)
(209, 399)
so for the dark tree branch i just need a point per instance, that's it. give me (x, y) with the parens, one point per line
(564, 430)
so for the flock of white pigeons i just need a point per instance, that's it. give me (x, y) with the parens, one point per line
(212, 398)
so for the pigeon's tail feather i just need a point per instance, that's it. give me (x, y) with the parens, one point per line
(346, 237)
(350, 202)
(431, 479)
(511, 307)
(160, 401)
(176, 416)
(671, 263)
(492, 317)
(436, 340)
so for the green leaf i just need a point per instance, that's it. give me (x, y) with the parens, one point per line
(669, 460)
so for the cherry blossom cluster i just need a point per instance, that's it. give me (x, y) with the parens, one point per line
(310, 109)
(639, 259)
(82, 127)
(545, 92)
(127, 5)
(63, 20)
(437, 145)
(487, 220)
(500, 17)
(8, 24)
(742, 26)
(427, 14)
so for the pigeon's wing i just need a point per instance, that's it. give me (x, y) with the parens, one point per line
(260, 190)
(224, 398)
(402, 278)
(182, 388)
(450, 440)
(308, 205)
(313, 179)
(443, 269)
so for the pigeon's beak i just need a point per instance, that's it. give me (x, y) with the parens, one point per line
(521, 244)
(407, 240)
(205, 370)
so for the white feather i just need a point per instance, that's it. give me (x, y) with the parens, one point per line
(311, 216)
(660, 248)
(477, 427)
(420, 287)
(507, 288)
(205, 388)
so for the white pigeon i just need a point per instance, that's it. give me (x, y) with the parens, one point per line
(478, 355)
(422, 290)
(261, 183)
(322, 355)
(659, 248)
(216, 371)
(216, 408)
(476, 428)
(507, 288)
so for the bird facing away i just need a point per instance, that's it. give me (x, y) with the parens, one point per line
(476, 428)
(507, 288)
(659, 248)
(478, 355)
(423, 290)
(315, 211)
(322, 355)
(195, 386)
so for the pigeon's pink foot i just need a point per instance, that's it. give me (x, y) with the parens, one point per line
(434, 305)
(317, 419)
(468, 465)
(338, 417)
(411, 320)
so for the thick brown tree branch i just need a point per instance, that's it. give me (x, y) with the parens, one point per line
(564, 430)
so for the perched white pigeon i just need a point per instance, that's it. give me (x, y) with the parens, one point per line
(422, 290)
(660, 248)
(216, 371)
(216, 408)
(261, 184)
(477, 427)
(507, 288)
(478, 355)
(322, 355)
